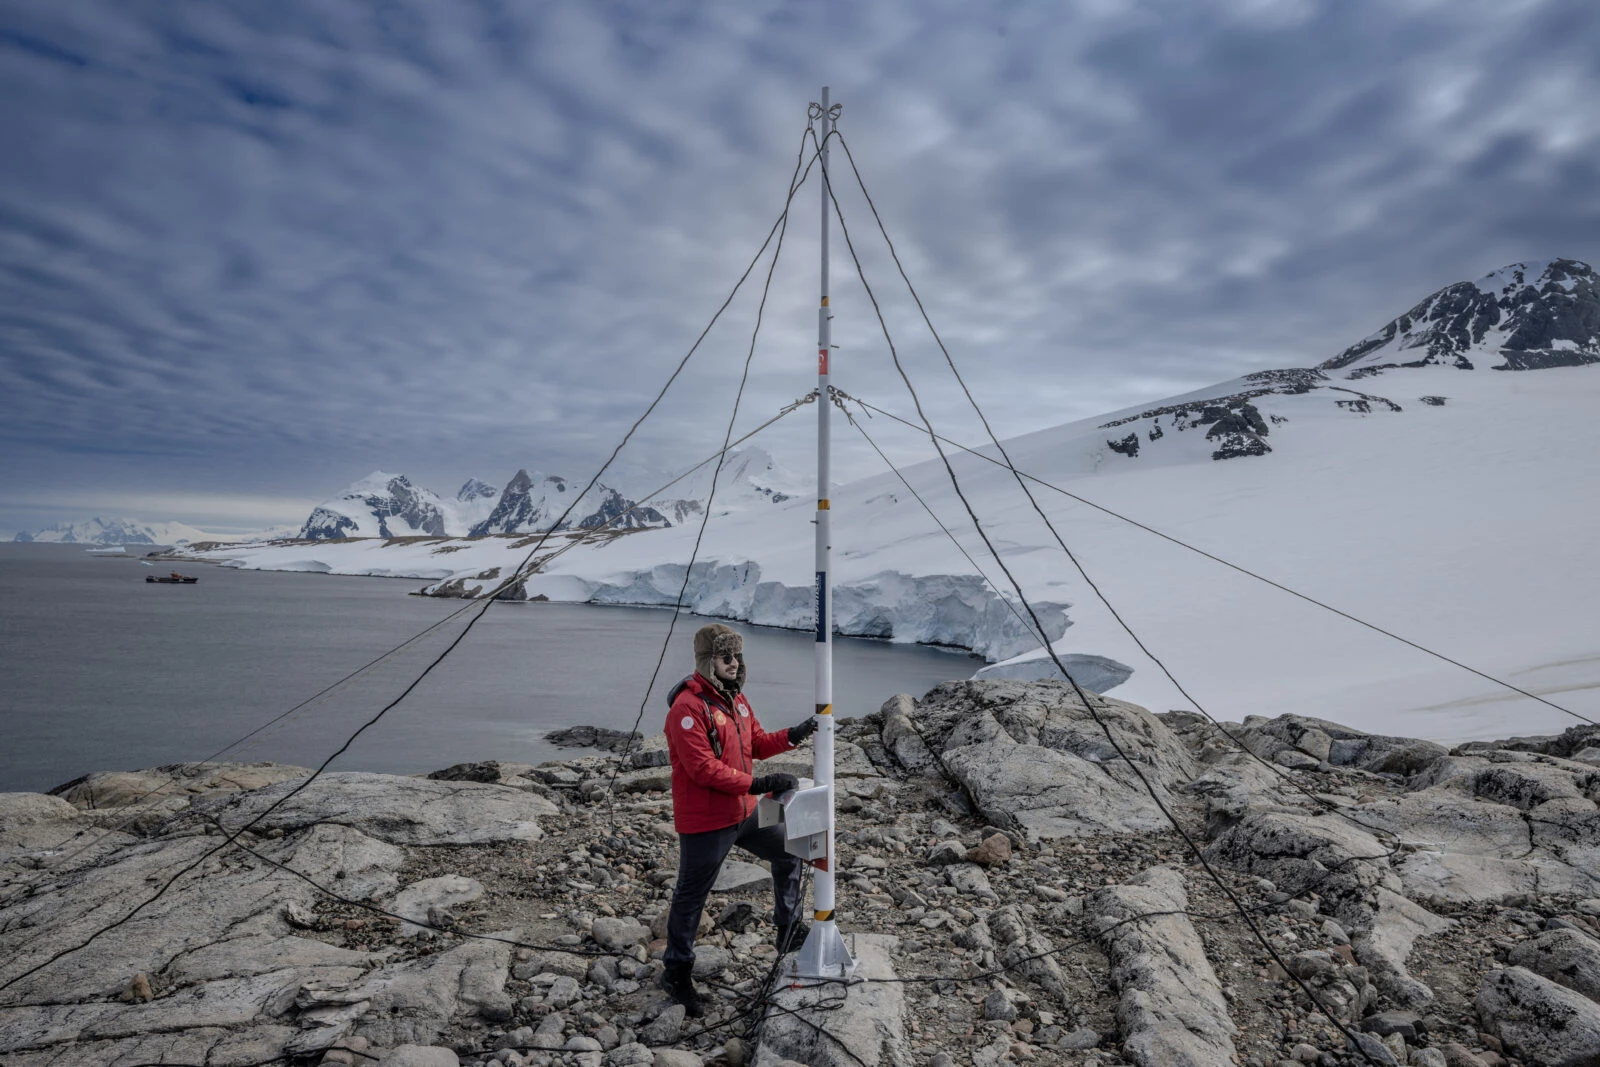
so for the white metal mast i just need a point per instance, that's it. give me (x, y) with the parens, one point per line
(824, 953)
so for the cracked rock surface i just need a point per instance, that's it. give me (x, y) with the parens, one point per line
(1170, 1006)
(1440, 906)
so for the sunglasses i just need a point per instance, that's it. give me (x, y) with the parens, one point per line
(727, 657)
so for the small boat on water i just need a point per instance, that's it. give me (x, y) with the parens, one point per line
(172, 579)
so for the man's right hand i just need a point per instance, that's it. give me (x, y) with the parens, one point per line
(773, 783)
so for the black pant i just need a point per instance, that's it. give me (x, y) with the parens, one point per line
(700, 857)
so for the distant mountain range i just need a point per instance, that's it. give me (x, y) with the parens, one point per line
(120, 532)
(391, 505)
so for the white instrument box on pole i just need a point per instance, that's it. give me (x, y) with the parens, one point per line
(803, 813)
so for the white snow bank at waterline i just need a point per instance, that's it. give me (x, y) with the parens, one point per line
(956, 610)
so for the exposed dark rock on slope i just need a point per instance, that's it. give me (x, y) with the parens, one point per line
(1523, 317)
(400, 509)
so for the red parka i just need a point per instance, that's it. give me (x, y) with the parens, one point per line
(711, 792)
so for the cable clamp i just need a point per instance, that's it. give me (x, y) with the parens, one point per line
(809, 398)
(815, 112)
(839, 398)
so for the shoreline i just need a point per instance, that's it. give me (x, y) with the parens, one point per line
(111, 672)
(882, 604)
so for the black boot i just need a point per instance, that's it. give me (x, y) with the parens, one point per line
(791, 936)
(679, 984)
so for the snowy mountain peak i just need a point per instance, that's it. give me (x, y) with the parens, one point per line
(472, 489)
(534, 503)
(750, 478)
(379, 505)
(1521, 317)
(1563, 272)
(376, 482)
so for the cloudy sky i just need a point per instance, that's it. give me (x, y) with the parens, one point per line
(250, 252)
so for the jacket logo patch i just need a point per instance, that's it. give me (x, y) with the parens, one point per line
(688, 723)
(744, 712)
(721, 718)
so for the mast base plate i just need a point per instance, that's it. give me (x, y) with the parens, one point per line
(824, 954)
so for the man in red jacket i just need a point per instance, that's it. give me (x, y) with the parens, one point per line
(714, 740)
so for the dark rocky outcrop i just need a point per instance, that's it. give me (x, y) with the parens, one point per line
(1127, 446)
(1233, 424)
(528, 505)
(1528, 316)
(585, 736)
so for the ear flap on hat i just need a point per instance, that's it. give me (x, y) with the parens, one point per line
(713, 640)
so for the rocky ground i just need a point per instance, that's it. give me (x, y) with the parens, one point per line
(1012, 893)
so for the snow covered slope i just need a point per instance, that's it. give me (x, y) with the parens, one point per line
(750, 478)
(1527, 316)
(475, 502)
(1447, 501)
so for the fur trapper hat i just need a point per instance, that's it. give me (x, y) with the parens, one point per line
(711, 641)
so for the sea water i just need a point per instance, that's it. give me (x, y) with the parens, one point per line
(100, 670)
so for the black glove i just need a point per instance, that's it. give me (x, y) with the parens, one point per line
(773, 783)
(799, 733)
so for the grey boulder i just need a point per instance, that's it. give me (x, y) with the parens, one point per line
(1539, 1021)
(866, 1029)
(401, 811)
(1170, 1005)
(1036, 759)
(1566, 957)
(618, 935)
(421, 1056)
